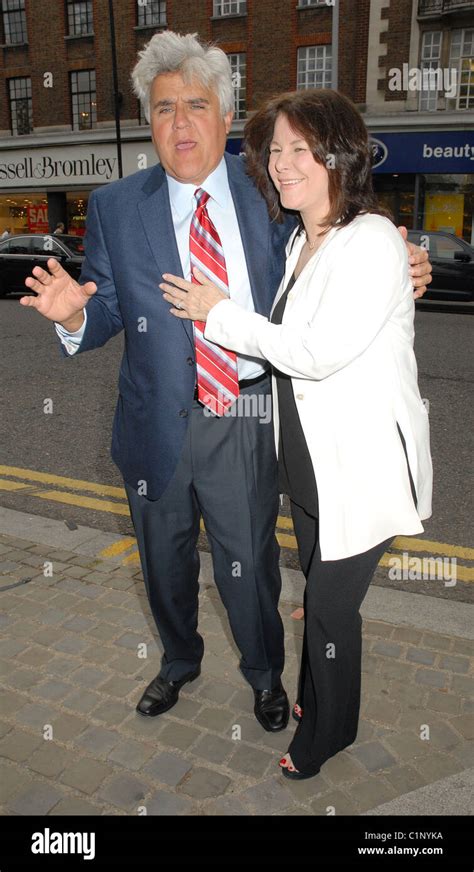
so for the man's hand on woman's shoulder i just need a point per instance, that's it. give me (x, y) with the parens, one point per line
(420, 266)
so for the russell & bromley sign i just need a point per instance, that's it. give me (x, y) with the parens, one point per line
(71, 165)
(45, 167)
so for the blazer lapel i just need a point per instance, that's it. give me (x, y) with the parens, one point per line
(254, 226)
(155, 214)
(308, 271)
(290, 265)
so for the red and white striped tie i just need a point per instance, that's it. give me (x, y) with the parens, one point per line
(217, 377)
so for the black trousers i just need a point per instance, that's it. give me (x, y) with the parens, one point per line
(330, 674)
(228, 474)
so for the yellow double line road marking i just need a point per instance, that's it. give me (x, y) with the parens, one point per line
(72, 483)
(407, 543)
(118, 548)
(119, 506)
(462, 573)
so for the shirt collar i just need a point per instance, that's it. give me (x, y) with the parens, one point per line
(182, 194)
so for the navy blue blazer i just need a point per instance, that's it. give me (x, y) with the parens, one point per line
(129, 244)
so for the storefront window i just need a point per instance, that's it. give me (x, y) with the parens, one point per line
(444, 202)
(396, 193)
(77, 212)
(23, 213)
(449, 204)
(28, 212)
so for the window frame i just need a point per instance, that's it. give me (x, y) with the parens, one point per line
(142, 122)
(458, 62)
(13, 100)
(327, 71)
(76, 112)
(51, 252)
(149, 7)
(19, 9)
(71, 17)
(28, 245)
(219, 5)
(455, 243)
(240, 92)
(431, 62)
(312, 4)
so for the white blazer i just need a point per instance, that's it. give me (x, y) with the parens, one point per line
(347, 342)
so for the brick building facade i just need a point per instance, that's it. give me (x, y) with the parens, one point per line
(269, 33)
(57, 129)
(424, 127)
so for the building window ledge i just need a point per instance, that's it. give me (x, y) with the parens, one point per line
(70, 36)
(315, 6)
(83, 131)
(151, 26)
(226, 17)
(14, 44)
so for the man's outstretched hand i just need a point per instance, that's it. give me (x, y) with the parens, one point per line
(420, 267)
(60, 298)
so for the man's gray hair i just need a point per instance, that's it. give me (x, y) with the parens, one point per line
(170, 52)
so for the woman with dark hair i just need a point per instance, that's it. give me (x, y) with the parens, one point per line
(351, 429)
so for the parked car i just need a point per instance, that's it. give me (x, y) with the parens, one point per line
(20, 253)
(453, 265)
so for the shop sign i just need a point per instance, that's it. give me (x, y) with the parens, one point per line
(37, 217)
(444, 152)
(447, 152)
(379, 152)
(47, 168)
(74, 165)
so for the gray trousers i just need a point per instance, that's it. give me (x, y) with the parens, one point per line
(228, 474)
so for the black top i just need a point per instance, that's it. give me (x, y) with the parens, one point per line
(295, 469)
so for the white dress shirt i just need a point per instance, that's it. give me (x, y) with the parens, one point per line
(222, 213)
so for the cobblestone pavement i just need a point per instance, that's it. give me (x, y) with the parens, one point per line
(73, 669)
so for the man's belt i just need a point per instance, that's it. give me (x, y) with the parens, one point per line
(245, 383)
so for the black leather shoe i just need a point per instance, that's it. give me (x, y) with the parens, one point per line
(272, 709)
(162, 695)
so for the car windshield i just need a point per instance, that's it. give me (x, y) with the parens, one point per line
(74, 243)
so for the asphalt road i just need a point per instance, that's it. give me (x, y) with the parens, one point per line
(74, 439)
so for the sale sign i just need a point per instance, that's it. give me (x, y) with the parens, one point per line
(38, 219)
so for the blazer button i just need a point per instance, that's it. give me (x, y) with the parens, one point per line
(190, 361)
(183, 413)
(300, 396)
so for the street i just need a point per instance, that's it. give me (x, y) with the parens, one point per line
(58, 416)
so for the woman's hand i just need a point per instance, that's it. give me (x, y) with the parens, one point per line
(191, 300)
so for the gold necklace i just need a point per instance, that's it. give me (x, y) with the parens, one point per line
(312, 244)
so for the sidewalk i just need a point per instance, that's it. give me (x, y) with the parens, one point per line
(72, 660)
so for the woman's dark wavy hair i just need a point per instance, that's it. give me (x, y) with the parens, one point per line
(334, 129)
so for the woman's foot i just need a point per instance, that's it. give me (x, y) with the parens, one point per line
(287, 763)
(289, 770)
(297, 712)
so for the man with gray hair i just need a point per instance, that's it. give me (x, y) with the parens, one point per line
(181, 451)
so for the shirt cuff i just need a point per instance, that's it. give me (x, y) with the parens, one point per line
(71, 341)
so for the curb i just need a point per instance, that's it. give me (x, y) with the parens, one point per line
(381, 604)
